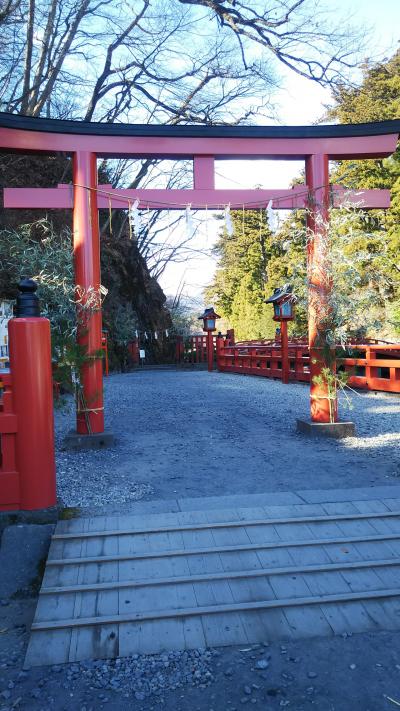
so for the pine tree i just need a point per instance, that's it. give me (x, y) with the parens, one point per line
(365, 245)
(239, 287)
(377, 99)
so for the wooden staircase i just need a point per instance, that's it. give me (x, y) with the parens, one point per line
(119, 585)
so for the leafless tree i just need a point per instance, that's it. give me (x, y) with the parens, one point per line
(160, 60)
(307, 37)
(7, 9)
(163, 61)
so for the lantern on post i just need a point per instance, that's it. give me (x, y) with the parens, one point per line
(283, 301)
(209, 318)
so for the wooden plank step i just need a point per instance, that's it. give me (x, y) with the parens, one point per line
(222, 524)
(215, 609)
(226, 575)
(148, 583)
(223, 549)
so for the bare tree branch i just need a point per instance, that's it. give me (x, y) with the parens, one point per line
(167, 61)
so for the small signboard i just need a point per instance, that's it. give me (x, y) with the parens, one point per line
(142, 354)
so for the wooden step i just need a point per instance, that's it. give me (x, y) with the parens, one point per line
(227, 575)
(345, 540)
(215, 609)
(133, 585)
(222, 524)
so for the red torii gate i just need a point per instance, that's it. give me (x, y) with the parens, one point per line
(85, 142)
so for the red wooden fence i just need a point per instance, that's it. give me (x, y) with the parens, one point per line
(372, 366)
(9, 477)
(193, 349)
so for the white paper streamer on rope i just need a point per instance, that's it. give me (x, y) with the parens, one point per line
(156, 335)
(146, 336)
(134, 218)
(271, 217)
(228, 220)
(189, 221)
(136, 334)
(166, 332)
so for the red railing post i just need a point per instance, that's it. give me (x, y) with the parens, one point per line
(32, 384)
(210, 351)
(10, 491)
(367, 366)
(179, 349)
(220, 341)
(395, 378)
(285, 352)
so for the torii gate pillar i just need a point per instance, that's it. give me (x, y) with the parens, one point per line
(319, 283)
(86, 241)
(202, 144)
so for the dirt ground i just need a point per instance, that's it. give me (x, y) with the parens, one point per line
(354, 673)
(189, 434)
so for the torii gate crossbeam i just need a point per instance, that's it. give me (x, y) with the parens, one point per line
(86, 142)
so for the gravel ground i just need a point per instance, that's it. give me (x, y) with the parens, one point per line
(348, 673)
(184, 434)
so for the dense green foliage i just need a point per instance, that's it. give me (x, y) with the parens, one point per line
(377, 99)
(40, 251)
(239, 287)
(364, 246)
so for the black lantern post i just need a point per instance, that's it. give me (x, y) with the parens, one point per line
(283, 301)
(209, 318)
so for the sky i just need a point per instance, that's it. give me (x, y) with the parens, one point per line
(300, 102)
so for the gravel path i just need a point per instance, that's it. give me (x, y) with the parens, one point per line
(183, 434)
(348, 673)
(198, 434)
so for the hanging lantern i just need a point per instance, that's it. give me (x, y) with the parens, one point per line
(283, 301)
(209, 317)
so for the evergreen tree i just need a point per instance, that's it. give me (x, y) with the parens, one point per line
(365, 246)
(238, 289)
(251, 264)
(377, 99)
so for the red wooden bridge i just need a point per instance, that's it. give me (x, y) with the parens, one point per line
(372, 365)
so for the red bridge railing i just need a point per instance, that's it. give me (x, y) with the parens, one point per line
(372, 366)
(193, 349)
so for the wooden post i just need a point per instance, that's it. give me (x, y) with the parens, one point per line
(220, 343)
(320, 284)
(210, 351)
(284, 352)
